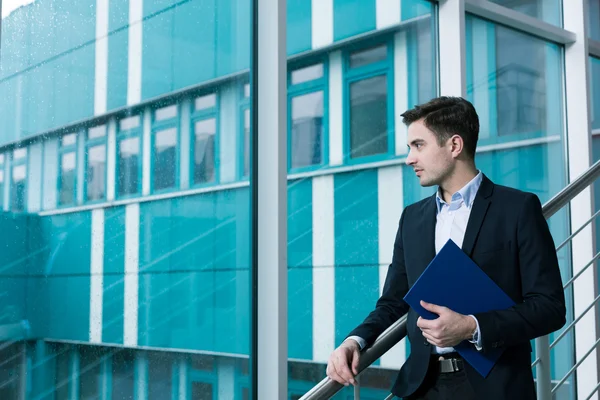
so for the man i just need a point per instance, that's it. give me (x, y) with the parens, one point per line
(502, 229)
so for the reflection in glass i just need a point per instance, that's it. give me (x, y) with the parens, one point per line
(368, 117)
(96, 173)
(62, 375)
(90, 379)
(69, 139)
(123, 375)
(159, 376)
(202, 391)
(129, 123)
(246, 142)
(546, 10)
(68, 173)
(18, 187)
(166, 113)
(205, 102)
(97, 132)
(307, 130)
(128, 166)
(369, 56)
(204, 150)
(307, 74)
(165, 159)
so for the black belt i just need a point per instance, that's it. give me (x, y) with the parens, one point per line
(449, 363)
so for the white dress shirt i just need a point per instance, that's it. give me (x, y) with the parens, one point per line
(451, 223)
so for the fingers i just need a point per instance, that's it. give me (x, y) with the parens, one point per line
(433, 308)
(355, 360)
(431, 339)
(338, 368)
(343, 370)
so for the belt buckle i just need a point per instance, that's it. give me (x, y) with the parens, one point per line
(449, 365)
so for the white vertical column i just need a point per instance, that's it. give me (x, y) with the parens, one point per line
(481, 72)
(34, 177)
(336, 120)
(230, 119)
(323, 268)
(271, 186)
(387, 13)
(134, 58)
(81, 175)
(390, 198)
(226, 378)
(184, 138)
(146, 151)
(101, 70)
(183, 379)
(131, 304)
(111, 159)
(400, 90)
(321, 23)
(7, 180)
(50, 174)
(452, 48)
(579, 155)
(97, 276)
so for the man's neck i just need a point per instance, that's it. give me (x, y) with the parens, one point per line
(457, 181)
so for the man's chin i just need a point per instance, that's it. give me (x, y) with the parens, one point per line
(424, 182)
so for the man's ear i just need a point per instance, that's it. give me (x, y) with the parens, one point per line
(458, 145)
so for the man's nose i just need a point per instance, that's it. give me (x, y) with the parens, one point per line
(410, 160)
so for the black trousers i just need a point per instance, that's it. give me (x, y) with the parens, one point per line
(443, 386)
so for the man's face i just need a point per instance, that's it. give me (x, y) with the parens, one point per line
(431, 163)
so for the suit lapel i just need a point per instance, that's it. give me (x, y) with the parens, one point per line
(480, 207)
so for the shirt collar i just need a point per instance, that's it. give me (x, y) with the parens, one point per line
(466, 194)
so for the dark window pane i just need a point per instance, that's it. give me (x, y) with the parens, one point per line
(90, 378)
(307, 130)
(368, 117)
(66, 183)
(202, 391)
(165, 159)
(19, 180)
(129, 163)
(96, 173)
(11, 356)
(203, 363)
(63, 376)
(368, 56)
(204, 150)
(307, 74)
(246, 142)
(123, 375)
(159, 376)
(521, 82)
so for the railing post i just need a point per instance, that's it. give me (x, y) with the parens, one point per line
(357, 388)
(543, 373)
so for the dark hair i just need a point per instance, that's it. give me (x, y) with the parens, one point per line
(446, 116)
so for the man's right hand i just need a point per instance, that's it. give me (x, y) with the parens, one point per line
(342, 360)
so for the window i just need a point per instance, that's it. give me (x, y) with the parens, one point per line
(164, 152)
(546, 10)
(245, 131)
(306, 106)
(369, 118)
(95, 172)
(129, 161)
(67, 172)
(19, 180)
(204, 126)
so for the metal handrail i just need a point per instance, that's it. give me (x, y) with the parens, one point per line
(397, 331)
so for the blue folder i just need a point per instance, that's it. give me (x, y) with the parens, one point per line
(453, 280)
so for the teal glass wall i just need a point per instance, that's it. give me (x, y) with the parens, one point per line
(515, 82)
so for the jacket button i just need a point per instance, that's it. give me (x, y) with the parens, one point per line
(426, 343)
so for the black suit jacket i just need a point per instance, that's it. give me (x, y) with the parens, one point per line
(508, 237)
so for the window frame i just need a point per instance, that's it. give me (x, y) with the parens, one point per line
(243, 105)
(121, 135)
(158, 126)
(17, 163)
(89, 143)
(357, 74)
(300, 89)
(70, 148)
(203, 115)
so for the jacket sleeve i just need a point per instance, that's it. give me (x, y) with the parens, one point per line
(542, 310)
(391, 305)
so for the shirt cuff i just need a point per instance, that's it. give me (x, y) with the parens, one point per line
(361, 342)
(476, 340)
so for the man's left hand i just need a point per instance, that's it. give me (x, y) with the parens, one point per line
(449, 329)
